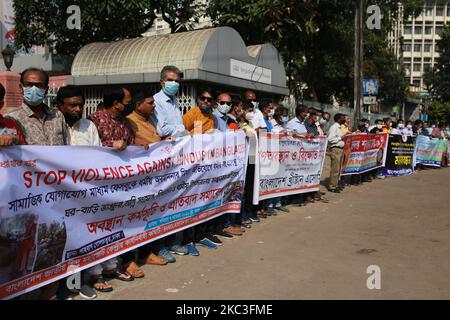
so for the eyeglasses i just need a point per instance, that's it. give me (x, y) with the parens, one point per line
(228, 103)
(207, 99)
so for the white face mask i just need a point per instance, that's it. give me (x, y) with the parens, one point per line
(223, 108)
(401, 125)
(249, 116)
(255, 104)
(409, 126)
(366, 125)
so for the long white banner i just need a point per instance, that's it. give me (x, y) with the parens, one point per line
(287, 164)
(64, 209)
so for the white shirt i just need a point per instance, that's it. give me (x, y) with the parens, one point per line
(84, 133)
(258, 119)
(277, 128)
(319, 128)
(335, 136)
(297, 126)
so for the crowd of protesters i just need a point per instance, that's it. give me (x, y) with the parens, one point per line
(128, 118)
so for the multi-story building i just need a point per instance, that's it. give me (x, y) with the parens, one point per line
(419, 36)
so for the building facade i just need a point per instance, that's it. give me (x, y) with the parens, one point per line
(419, 37)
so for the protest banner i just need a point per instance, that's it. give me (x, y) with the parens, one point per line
(399, 157)
(287, 164)
(429, 151)
(363, 152)
(64, 209)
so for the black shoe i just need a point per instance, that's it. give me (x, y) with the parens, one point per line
(213, 239)
(223, 234)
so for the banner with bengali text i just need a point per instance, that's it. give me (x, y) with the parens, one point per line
(363, 152)
(429, 152)
(64, 209)
(400, 155)
(288, 164)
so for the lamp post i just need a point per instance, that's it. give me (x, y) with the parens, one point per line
(8, 58)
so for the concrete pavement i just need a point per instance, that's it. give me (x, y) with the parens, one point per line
(322, 251)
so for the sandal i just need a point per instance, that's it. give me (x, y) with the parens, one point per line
(261, 214)
(133, 270)
(104, 285)
(125, 276)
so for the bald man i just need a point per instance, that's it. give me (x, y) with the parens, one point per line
(223, 107)
(257, 121)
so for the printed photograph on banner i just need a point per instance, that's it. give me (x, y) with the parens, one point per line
(17, 245)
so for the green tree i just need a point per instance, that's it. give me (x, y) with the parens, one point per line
(316, 40)
(44, 22)
(438, 79)
(439, 111)
(181, 15)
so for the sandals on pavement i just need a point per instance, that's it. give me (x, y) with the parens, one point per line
(125, 276)
(101, 285)
(132, 269)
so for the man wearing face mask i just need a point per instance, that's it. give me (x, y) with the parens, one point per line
(200, 119)
(113, 127)
(257, 120)
(224, 104)
(167, 115)
(39, 124)
(235, 114)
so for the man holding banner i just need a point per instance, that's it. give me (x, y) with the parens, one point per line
(336, 142)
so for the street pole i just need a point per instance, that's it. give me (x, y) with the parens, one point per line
(358, 72)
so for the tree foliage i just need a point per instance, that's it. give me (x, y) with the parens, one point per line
(316, 40)
(44, 22)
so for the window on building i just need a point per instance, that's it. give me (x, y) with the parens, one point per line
(438, 30)
(416, 82)
(428, 30)
(436, 48)
(416, 67)
(417, 47)
(426, 67)
(448, 11)
(427, 48)
(418, 30)
(159, 27)
(426, 59)
(407, 29)
(439, 11)
(407, 46)
(408, 70)
(407, 60)
(429, 11)
(417, 59)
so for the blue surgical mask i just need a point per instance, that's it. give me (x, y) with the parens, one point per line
(285, 119)
(205, 108)
(171, 88)
(34, 96)
(323, 122)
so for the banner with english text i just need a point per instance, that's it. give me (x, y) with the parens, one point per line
(64, 209)
(287, 164)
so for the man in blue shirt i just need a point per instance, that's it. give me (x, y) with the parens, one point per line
(297, 124)
(167, 115)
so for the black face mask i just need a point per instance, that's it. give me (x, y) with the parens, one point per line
(129, 108)
(70, 118)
